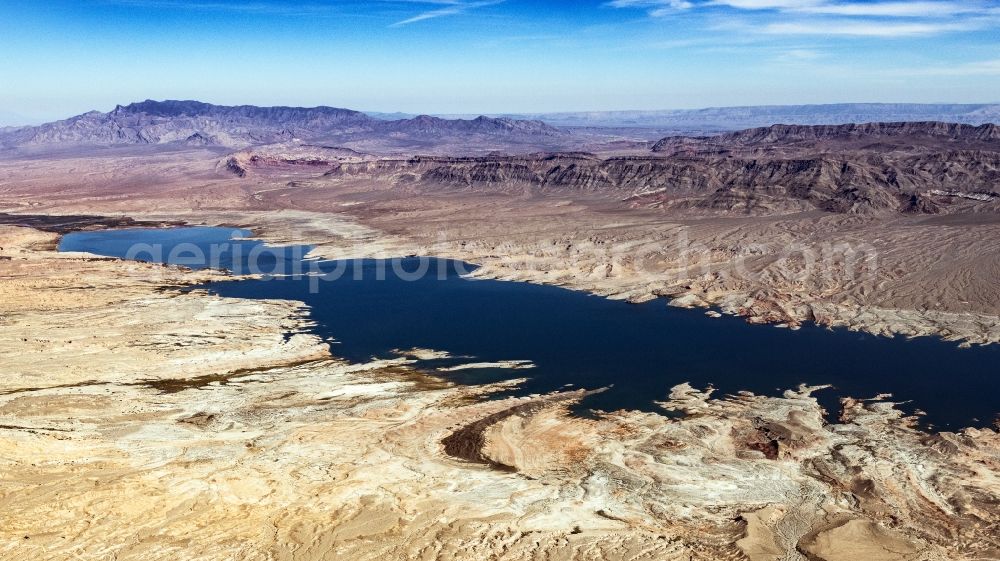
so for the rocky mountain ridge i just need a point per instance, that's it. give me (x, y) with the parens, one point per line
(196, 123)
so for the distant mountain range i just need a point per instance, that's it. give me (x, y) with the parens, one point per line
(193, 123)
(737, 118)
(196, 123)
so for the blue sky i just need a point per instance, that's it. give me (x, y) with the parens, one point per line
(59, 58)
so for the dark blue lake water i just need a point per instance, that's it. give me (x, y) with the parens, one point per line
(368, 308)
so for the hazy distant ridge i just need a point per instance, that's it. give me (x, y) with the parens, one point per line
(736, 118)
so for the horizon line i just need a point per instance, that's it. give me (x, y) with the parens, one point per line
(36, 122)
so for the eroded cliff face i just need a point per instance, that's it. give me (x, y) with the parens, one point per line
(876, 168)
(860, 184)
(900, 136)
(138, 421)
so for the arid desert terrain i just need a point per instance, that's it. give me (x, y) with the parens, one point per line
(142, 417)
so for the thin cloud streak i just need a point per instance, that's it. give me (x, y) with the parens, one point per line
(348, 8)
(978, 68)
(450, 9)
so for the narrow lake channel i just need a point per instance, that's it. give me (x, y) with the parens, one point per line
(640, 351)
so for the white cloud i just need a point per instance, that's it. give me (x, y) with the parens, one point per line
(891, 9)
(656, 7)
(799, 55)
(861, 28)
(878, 8)
(767, 4)
(672, 6)
(876, 18)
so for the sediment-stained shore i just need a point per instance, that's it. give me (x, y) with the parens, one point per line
(140, 421)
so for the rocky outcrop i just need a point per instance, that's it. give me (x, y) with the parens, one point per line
(288, 155)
